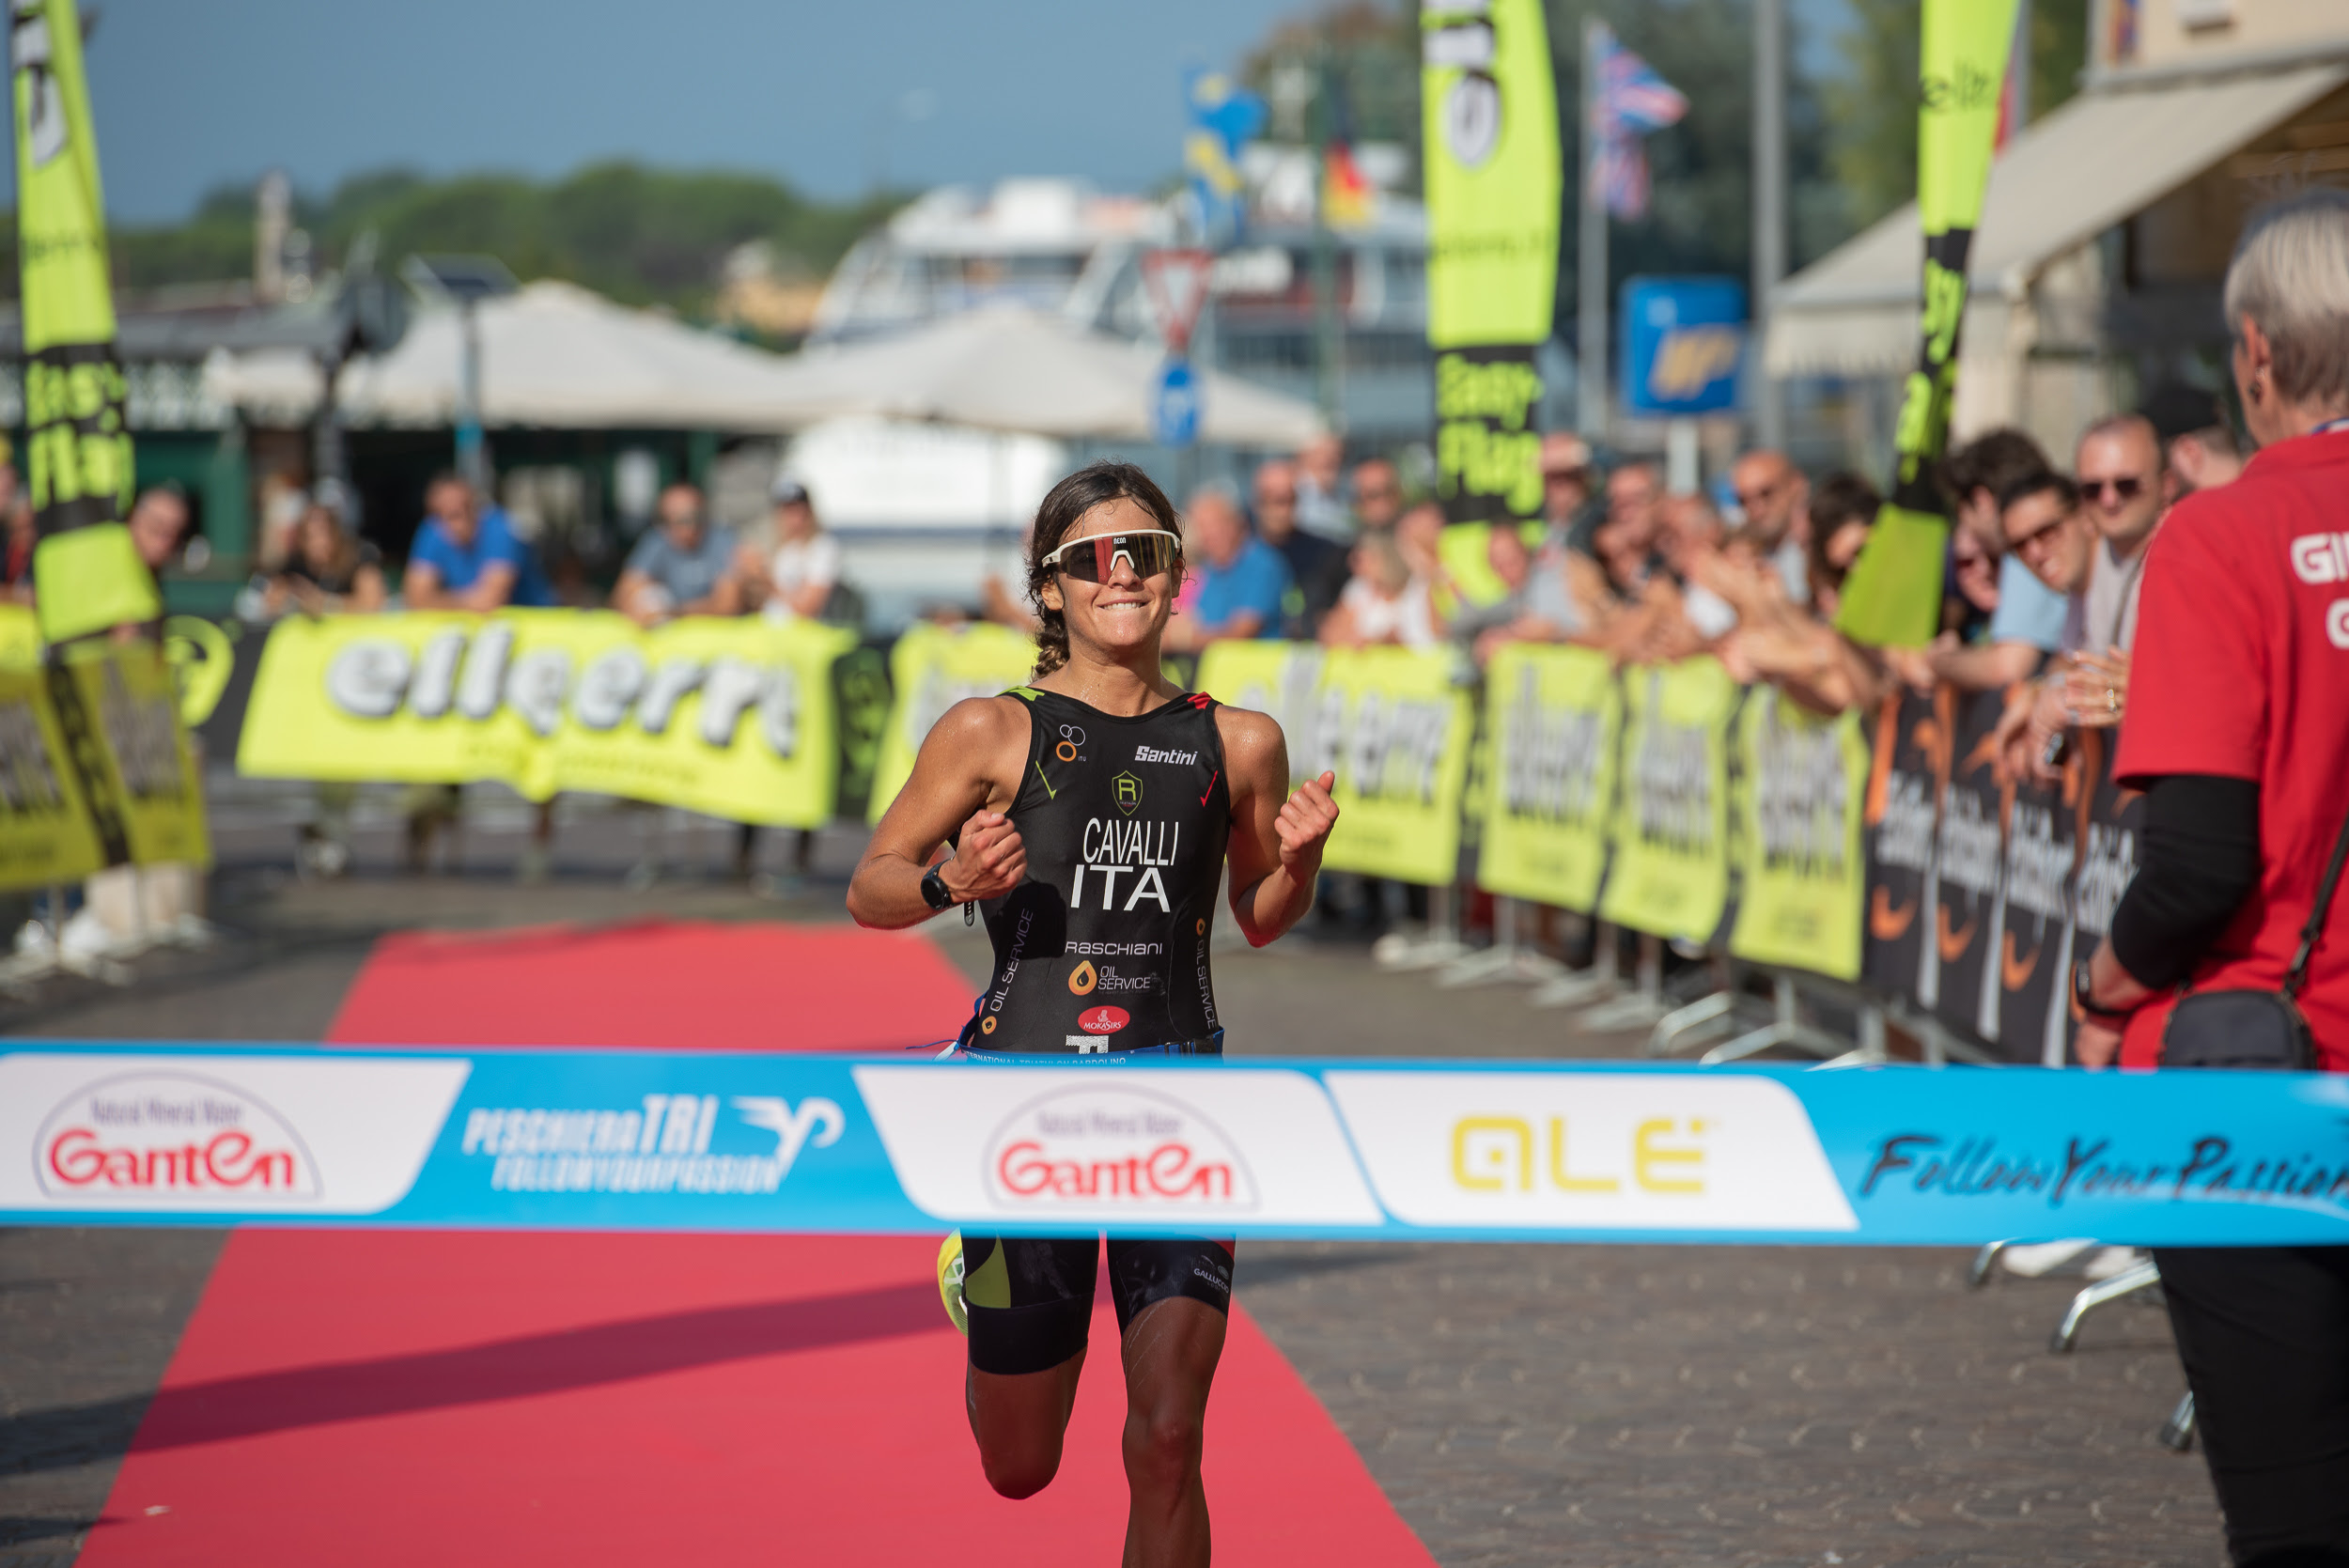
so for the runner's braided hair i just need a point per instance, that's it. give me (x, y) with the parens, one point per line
(1093, 485)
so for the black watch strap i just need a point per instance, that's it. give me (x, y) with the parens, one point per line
(2084, 994)
(934, 889)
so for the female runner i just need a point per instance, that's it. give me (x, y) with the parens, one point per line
(1092, 813)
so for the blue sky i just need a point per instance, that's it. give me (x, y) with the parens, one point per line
(192, 93)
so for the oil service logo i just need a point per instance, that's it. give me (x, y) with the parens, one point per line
(157, 1139)
(1083, 978)
(1088, 1148)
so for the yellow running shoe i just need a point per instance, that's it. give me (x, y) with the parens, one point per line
(950, 1282)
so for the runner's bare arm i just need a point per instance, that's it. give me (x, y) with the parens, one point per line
(966, 776)
(1276, 836)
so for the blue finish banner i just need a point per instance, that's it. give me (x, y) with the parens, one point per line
(150, 1134)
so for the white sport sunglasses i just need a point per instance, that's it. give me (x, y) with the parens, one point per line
(1093, 559)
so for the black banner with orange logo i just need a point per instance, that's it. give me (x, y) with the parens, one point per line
(2035, 915)
(1911, 765)
(1969, 876)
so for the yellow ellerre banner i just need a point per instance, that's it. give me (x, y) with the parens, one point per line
(144, 765)
(1671, 871)
(46, 831)
(128, 793)
(1802, 788)
(1387, 721)
(1555, 717)
(930, 669)
(731, 717)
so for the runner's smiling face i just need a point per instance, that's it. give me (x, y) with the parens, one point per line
(1127, 612)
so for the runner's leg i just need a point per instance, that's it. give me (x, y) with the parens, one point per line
(1029, 1302)
(1170, 1353)
(1019, 1421)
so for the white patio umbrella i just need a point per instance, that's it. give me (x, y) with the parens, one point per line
(1023, 370)
(552, 354)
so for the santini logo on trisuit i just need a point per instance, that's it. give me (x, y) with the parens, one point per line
(1159, 753)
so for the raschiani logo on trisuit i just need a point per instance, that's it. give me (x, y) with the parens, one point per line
(1128, 795)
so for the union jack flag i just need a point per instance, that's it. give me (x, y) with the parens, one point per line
(1632, 100)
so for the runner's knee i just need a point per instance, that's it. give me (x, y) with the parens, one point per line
(1021, 1474)
(1162, 1445)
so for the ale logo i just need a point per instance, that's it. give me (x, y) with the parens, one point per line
(1104, 1021)
(1082, 978)
(1128, 790)
(152, 1139)
(1087, 1148)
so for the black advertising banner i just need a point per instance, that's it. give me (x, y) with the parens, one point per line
(1488, 437)
(1970, 875)
(2043, 825)
(1910, 763)
(2108, 848)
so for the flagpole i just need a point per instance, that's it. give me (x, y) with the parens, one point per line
(1769, 208)
(1591, 263)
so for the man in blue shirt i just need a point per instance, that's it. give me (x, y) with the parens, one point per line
(466, 557)
(1242, 581)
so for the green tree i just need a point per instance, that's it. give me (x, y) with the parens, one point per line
(642, 236)
(1872, 108)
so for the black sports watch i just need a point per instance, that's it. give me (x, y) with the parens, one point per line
(934, 890)
(2084, 995)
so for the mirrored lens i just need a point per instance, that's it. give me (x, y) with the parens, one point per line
(1094, 560)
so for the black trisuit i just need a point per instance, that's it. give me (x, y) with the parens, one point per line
(1101, 951)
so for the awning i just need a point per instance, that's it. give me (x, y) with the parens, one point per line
(2107, 154)
(1009, 368)
(552, 354)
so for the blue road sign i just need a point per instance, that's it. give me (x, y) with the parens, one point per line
(1174, 404)
(1683, 342)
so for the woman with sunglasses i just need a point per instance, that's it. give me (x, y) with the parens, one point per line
(1092, 814)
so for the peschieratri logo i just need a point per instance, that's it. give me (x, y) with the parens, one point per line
(1084, 1147)
(161, 1138)
(663, 1144)
(1127, 787)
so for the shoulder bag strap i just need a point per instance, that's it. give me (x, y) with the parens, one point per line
(2315, 927)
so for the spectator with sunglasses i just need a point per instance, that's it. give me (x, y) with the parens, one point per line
(1776, 499)
(2095, 557)
(2125, 491)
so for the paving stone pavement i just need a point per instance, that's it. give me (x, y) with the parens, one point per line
(1655, 1405)
(88, 1319)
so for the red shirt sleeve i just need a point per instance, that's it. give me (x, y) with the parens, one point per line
(2197, 671)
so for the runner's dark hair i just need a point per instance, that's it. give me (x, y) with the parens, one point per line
(1093, 485)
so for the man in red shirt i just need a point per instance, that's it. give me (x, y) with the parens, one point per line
(2237, 729)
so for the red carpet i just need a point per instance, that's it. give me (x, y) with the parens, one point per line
(659, 986)
(363, 1398)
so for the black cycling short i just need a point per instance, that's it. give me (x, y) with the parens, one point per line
(1030, 1299)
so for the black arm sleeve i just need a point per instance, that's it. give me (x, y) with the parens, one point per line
(2199, 859)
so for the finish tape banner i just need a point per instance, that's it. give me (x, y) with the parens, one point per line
(1387, 721)
(732, 717)
(145, 1134)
